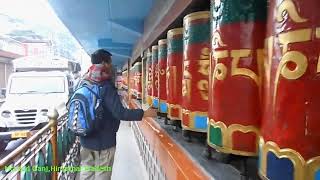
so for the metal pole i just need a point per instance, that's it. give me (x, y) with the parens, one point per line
(53, 120)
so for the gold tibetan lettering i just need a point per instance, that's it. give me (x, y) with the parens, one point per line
(167, 77)
(186, 80)
(318, 32)
(186, 88)
(220, 70)
(172, 78)
(287, 7)
(149, 85)
(236, 55)
(260, 58)
(318, 36)
(186, 73)
(268, 62)
(318, 65)
(203, 86)
(205, 53)
(156, 84)
(156, 70)
(150, 74)
(204, 67)
(301, 65)
(162, 72)
(217, 41)
(173, 72)
(301, 62)
(295, 36)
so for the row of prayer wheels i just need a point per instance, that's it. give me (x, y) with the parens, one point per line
(177, 64)
(125, 79)
(135, 79)
(247, 74)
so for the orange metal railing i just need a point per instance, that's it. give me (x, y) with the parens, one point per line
(163, 158)
(39, 157)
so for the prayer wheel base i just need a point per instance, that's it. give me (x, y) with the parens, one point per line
(194, 129)
(139, 97)
(175, 123)
(149, 100)
(166, 121)
(163, 107)
(286, 163)
(231, 151)
(207, 153)
(189, 136)
(174, 112)
(233, 139)
(162, 115)
(155, 103)
(194, 121)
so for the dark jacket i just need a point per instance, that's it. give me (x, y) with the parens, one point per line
(105, 135)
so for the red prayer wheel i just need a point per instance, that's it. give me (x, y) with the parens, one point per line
(290, 143)
(139, 80)
(144, 77)
(162, 64)
(125, 79)
(174, 72)
(238, 31)
(137, 70)
(132, 81)
(155, 81)
(149, 78)
(195, 80)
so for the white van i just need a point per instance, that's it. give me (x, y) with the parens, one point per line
(29, 96)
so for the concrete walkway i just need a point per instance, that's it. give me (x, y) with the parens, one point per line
(127, 163)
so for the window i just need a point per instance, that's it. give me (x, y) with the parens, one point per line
(37, 85)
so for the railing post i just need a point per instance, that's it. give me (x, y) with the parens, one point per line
(53, 120)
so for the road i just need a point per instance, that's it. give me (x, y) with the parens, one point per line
(11, 146)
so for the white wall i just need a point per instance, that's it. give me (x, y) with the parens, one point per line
(6, 69)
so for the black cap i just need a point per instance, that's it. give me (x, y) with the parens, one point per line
(101, 55)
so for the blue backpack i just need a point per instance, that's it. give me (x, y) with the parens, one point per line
(85, 108)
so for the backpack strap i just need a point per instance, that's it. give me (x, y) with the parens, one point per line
(87, 84)
(90, 89)
(102, 91)
(87, 87)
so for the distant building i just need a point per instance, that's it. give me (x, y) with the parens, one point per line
(9, 49)
(38, 47)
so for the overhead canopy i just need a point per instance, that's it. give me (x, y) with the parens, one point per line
(115, 25)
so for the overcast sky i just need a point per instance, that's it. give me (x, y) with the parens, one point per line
(35, 15)
(35, 12)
